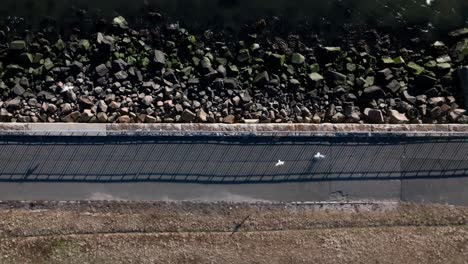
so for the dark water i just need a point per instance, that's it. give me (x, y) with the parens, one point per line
(320, 15)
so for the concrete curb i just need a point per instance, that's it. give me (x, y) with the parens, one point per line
(78, 129)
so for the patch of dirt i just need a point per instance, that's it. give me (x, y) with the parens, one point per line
(186, 232)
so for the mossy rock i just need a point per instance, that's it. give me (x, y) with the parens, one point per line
(297, 59)
(277, 60)
(84, 44)
(351, 67)
(131, 60)
(415, 68)
(48, 64)
(388, 61)
(333, 49)
(120, 22)
(460, 50)
(18, 45)
(399, 60)
(144, 62)
(26, 58)
(60, 45)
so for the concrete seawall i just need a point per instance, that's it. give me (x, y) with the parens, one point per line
(291, 130)
(234, 162)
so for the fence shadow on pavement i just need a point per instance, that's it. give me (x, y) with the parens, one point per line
(230, 160)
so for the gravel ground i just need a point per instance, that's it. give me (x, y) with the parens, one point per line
(121, 232)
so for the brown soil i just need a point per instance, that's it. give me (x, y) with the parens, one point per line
(121, 232)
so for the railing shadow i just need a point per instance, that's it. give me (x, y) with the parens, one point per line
(230, 160)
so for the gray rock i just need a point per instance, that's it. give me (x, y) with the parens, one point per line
(456, 114)
(119, 65)
(86, 100)
(394, 86)
(101, 70)
(413, 114)
(18, 45)
(236, 100)
(187, 116)
(222, 70)
(305, 111)
(18, 90)
(105, 40)
(348, 108)
(169, 104)
(114, 105)
(121, 75)
(245, 96)
(109, 98)
(374, 116)
(251, 121)
(436, 101)
(159, 58)
(297, 58)
(409, 98)
(314, 79)
(243, 55)
(86, 115)
(193, 81)
(262, 78)
(151, 119)
(32, 102)
(124, 119)
(13, 103)
(120, 22)
(102, 106)
(26, 58)
(336, 77)
(372, 93)
(4, 113)
(463, 120)
(179, 108)
(231, 83)
(436, 112)
(76, 67)
(230, 119)
(102, 117)
(66, 108)
(147, 100)
(397, 118)
(421, 99)
(71, 95)
(353, 118)
(51, 108)
(202, 116)
(338, 118)
(72, 117)
(48, 96)
(459, 33)
(170, 76)
(316, 119)
(460, 51)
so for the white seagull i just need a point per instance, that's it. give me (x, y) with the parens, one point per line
(319, 156)
(280, 163)
(65, 87)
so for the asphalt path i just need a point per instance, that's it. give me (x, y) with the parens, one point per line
(234, 168)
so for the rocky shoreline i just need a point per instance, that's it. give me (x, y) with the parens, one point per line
(165, 74)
